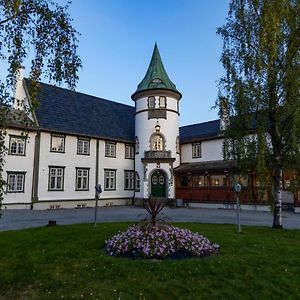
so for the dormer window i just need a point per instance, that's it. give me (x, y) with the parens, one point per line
(156, 80)
(151, 102)
(162, 102)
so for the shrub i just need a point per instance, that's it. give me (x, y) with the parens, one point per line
(159, 242)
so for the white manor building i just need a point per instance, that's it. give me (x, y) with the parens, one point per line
(75, 141)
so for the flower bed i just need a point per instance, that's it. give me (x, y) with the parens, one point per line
(161, 241)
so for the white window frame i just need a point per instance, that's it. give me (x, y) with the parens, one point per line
(83, 146)
(157, 142)
(62, 145)
(56, 173)
(151, 102)
(110, 149)
(20, 145)
(109, 179)
(196, 150)
(82, 179)
(15, 182)
(128, 180)
(162, 102)
(129, 151)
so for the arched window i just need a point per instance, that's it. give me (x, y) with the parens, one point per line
(162, 102)
(137, 145)
(151, 102)
(157, 142)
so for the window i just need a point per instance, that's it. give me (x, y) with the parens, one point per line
(157, 142)
(137, 181)
(15, 182)
(57, 143)
(17, 145)
(137, 145)
(129, 151)
(56, 179)
(129, 180)
(83, 146)
(109, 179)
(196, 150)
(200, 181)
(110, 149)
(162, 102)
(151, 102)
(82, 179)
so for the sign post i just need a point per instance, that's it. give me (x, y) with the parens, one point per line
(98, 191)
(237, 189)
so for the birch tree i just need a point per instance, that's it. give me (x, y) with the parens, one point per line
(261, 86)
(38, 33)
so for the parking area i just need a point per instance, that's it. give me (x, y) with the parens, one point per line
(19, 219)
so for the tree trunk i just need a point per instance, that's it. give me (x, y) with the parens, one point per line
(277, 221)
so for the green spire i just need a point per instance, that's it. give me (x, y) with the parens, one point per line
(156, 76)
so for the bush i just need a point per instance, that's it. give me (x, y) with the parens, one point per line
(160, 241)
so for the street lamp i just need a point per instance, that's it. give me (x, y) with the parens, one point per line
(98, 191)
(238, 188)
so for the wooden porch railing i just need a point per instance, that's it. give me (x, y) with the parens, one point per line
(216, 195)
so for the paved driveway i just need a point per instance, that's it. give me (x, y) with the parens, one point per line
(19, 219)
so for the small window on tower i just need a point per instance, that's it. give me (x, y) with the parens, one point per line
(162, 102)
(156, 80)
(151, 102)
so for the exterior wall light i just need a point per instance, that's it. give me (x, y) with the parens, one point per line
(157, 128)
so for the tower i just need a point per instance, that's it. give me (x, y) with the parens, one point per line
(157, 148)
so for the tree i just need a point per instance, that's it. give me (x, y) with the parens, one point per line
(261, 90)
(38, 31)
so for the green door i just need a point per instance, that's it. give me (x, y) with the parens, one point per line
(158, 184)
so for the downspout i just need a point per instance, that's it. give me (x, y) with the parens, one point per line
(36, 163)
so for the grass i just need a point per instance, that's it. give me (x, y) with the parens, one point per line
(66, 262)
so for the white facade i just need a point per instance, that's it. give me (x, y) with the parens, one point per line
(19, 164)
(210, 150)
(147, 127)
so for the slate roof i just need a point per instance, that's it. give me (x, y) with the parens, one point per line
(70, 112)
(17, 118)
(199, 131)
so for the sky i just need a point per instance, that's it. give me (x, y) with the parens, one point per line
(118, 36)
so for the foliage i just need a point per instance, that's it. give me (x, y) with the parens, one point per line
(154, 206)
(64, 262)
(40, 32)
(261, 90)
(159, 241)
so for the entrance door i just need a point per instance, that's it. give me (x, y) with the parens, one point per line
(158, 184)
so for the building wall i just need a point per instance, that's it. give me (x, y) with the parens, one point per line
(69, 160)
(120, 164)
(210, 150)
(15, 163)
(144, 128)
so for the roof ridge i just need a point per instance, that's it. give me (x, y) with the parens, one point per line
(77, 92)
(200, 123)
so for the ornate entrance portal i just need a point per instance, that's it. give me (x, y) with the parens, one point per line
(158, 184)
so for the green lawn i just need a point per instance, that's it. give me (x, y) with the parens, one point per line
(66, 262)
